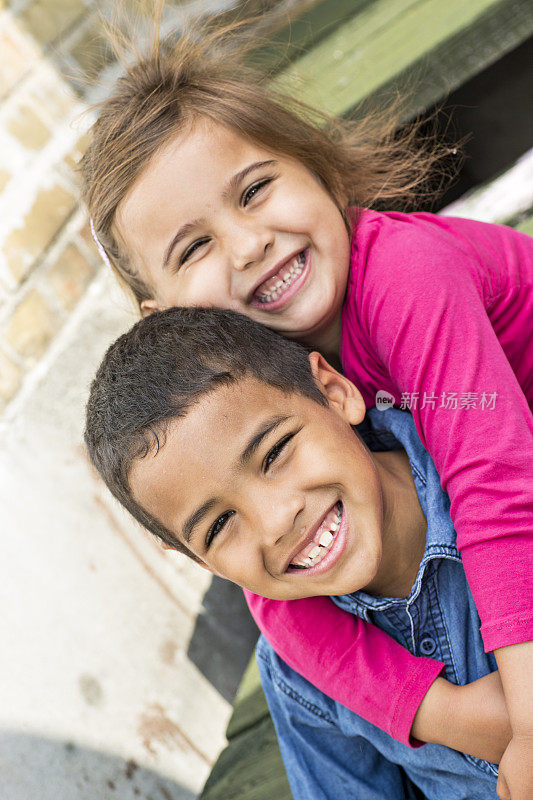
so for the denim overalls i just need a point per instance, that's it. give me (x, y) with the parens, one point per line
(332, 754)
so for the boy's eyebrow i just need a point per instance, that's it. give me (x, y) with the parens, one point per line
(266, 427)
(196, 517)
(229, 189)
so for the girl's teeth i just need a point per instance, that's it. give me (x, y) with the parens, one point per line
(289, 277)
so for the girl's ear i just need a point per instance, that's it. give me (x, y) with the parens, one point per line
(148, 307)
(341, 393)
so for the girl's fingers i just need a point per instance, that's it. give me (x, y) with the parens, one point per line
(502, 789)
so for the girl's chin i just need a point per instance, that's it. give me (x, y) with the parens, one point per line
(300, 324)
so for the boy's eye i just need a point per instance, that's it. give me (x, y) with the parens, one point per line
(252, 190)
(190, 250)
(217, 526)
(276, 451)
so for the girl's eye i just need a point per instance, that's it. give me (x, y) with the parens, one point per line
(191, 249)
(276, 451)
(217, 526)
(252, 190)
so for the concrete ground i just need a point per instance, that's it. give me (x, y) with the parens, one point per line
(119, 660)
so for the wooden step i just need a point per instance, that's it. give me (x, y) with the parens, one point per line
(407, 46)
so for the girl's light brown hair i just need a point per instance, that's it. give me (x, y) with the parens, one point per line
(207, 71)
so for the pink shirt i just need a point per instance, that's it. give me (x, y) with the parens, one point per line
(439, 313)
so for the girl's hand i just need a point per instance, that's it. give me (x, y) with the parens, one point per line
(515, 778)
(515, 781)
(471, 718)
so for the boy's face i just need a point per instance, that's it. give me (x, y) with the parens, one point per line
(216, 220)
(254, 481)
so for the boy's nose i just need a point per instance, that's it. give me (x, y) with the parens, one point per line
(281, 521)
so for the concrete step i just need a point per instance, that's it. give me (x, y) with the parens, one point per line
(107, 639)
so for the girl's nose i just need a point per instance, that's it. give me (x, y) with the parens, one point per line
(249, 245)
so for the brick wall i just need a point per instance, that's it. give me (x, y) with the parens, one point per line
(53, 63)
(46, 256)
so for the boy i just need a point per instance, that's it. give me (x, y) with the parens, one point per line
(234, 446)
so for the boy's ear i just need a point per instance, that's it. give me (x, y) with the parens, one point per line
(341, 393)
(148, 307)
(196, 559)
(203, 565)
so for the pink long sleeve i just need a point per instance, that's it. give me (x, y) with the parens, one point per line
(444, 307)
(348, 659)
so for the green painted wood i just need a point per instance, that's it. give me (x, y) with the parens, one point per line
(526, 226)
(305, 30)
(250, 704)
(250, 768)
(425, 48)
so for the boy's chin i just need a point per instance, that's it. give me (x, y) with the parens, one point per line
(306, 589)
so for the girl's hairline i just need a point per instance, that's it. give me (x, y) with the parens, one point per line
(186, 127)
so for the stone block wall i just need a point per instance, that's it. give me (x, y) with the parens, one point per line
(54, 62)
(47, 258)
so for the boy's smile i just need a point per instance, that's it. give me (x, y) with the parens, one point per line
(273, 491)
(217, 220)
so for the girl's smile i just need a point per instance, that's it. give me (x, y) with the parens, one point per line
(215, 219)
(282, 283)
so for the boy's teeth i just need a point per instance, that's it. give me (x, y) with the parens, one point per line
(274, 287)
(326, 538)
(313, 553)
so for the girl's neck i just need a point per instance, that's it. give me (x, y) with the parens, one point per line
(328, 343)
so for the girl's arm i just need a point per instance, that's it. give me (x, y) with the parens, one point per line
(427, 316)
(424, 314)
(361, 667)
(350, 660)
(471, 718)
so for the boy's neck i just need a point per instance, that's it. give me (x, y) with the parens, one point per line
(404, 527)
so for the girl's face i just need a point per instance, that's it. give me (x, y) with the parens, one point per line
(216, 220)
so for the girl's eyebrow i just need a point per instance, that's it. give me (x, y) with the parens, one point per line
(234, 182)
(228, 191)
(183, 231)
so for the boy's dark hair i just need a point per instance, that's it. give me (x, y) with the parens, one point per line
(160, 368)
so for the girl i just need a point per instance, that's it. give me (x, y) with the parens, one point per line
(208, 187)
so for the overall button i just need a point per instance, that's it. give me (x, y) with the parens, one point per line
(427, 646)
